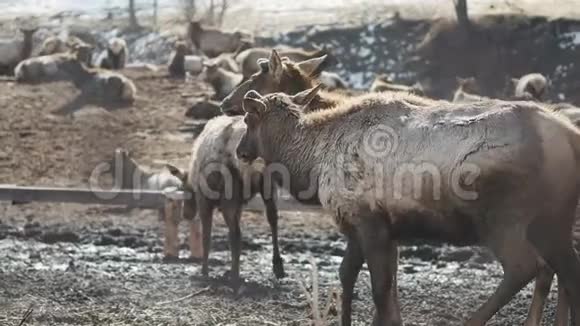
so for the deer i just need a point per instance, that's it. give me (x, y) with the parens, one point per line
(115, 56)
(382, 82)
(222, 80)
(213, 42)
(531, 86)
(217, 143)
(495, 175)
(129, 175)
(176, 66)
(55, 44)
(247, 59)
(13, 51)
(466, 91)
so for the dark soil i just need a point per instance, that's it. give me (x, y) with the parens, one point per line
(94, 265)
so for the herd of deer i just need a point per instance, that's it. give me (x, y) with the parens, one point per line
(519, 156)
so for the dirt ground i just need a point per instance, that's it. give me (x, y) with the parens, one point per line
(96, 265)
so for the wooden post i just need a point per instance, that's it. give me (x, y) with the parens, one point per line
(171, 246)
(195, 240)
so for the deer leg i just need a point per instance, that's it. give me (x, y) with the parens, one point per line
(206, 216)
(272, 216)
(520, 266)
(563, 307)
(541, 292)
(232, 212)
(395, 316)
(349, 269)
(378, 247)
(553, 240)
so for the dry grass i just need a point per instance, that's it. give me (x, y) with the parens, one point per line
(332, 306)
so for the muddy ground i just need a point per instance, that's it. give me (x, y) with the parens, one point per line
(97, 265)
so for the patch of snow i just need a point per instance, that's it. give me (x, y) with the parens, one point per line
(356, 79)
(364, 52)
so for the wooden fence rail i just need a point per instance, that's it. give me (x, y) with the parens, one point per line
(146, 199)
(167, 202)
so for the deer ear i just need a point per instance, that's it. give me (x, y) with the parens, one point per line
(253, 103)
(275, 65)
(176, 172)
(312, 67)
(264, 64)
(305, 97)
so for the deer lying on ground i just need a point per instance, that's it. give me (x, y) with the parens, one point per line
(116, 55)
(127, 174)
(508, 179)
(222, 80)
(247, 59)
(383, 83)
(213, 42)
(13, 51)
(97, 84)
(227, 62)
(54, 45)
(332, 81)
(49, 67)
(466, 91)
(176, 64)
(204, 109)
(531, 86)
(217, 143)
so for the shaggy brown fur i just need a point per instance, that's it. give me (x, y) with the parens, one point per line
(275, 75)
(526, 156)
(247, 60)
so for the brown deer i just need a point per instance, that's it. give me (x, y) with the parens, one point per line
(248, 59)
(54, 45)
(213, 42)
(466, 91)
(13, 51)
(116, 55)
(176, 66)
(275, 75)
(282, 75)
(383, 83)
(217, 143)
(222, 80)
(515, 194)
(532, 86)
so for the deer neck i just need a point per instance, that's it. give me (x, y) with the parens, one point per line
(283, 143)
(26, 50)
